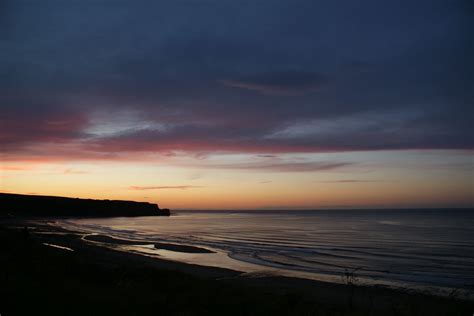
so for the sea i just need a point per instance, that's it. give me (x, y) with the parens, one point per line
(425, 249)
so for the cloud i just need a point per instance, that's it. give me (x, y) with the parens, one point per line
(355, 67)
(326, 81)
(21, 126)
(350, 181)
(75, 171)
(284, 166)
(289, 84)
(14, 168)
(168, 187)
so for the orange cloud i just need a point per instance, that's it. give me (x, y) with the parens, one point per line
(165, 187)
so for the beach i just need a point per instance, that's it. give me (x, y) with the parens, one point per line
(51, 270)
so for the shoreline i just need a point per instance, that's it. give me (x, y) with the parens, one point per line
(346, 299)
(152, 250)
(174, 250)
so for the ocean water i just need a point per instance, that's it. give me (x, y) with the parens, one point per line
(407, 248)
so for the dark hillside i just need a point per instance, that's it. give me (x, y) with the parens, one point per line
(35, 205)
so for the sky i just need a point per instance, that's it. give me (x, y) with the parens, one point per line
(220, 104)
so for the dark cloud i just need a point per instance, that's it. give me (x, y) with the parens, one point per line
(266, 76)
(291, 84)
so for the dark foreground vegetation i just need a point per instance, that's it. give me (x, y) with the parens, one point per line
(37, 279)
(36, 205)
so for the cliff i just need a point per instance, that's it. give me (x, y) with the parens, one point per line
(35, 205)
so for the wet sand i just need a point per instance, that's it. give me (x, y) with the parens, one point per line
(164, 246)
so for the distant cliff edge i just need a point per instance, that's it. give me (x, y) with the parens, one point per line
(37, 205)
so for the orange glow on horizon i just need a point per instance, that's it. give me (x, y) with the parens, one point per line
(201, 187)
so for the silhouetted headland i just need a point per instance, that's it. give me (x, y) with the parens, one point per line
(36, 205)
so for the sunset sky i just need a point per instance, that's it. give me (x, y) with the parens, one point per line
(228, 104)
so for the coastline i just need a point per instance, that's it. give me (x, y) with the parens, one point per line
(313, 249)
(43, 244)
